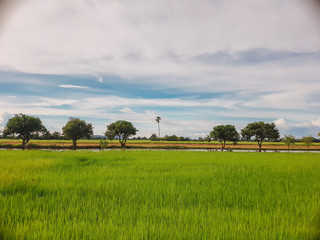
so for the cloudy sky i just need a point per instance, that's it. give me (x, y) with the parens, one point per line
(195, 63)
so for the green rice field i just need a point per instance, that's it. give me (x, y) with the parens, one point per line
(159, 195)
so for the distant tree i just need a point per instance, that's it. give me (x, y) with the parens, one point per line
(153, 137)
(122, 129)
(76, 129)
(207, 138)
(200, 139)
(23, 126)
(288, 139)
(158, 121)
(46, 135)
(260, 131)
(184, 138)
(224, 133)
(171, 138)
(319, 134)
(56, 135)
(307, 140)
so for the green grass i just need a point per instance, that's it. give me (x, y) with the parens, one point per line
(159, 195)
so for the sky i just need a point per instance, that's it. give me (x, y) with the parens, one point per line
(195, 63)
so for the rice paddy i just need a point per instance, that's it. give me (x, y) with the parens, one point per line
(159, 195)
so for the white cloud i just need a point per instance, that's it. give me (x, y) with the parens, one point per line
(99, 78)
(147, 38)
(4, 117)
(316, 122)
(72, 86)
(280, 122)
(125, 110)
(155, 43)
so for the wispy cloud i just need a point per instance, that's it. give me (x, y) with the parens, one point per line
(73, 86)
(99, 78)
(258, 56)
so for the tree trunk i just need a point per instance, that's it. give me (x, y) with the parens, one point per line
(159, 130)
(123, 144)
(74, 143)
(23, 144)
(223, 144)
(260, 145)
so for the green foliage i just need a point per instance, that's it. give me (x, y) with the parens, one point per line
(122, 129)
(289, 139)
(153, 137)
(171, 138)
(260, 131)
(207, 138)
(224, 133)
(175, 138)
(76, 129)
(103, 144)
(159, 195)
(23, 126)
(307, 140)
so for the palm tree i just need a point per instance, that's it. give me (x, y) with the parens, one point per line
(158, 121)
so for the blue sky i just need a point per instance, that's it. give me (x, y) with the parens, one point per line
(197, 64)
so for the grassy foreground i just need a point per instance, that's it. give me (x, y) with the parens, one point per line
(159, 195)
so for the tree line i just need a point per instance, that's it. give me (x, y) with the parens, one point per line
(28, 127)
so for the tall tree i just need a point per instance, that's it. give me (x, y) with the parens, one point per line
(76, 129)
(260, 131)
(224, 133)
(122, 129)
(23, 126)
(288, 139)
(158, 118)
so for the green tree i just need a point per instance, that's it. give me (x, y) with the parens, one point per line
(307, 140)
(260, 131)
(56, 135)
(122, 129)
(76, 129)
(23, 126)
(207, 138)
(224, 133)
(288, 139)
(158, 121)
(171, 138)
(153, 137)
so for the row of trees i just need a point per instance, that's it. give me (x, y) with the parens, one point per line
(27, 127)
(154, 137)
(260, 131)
